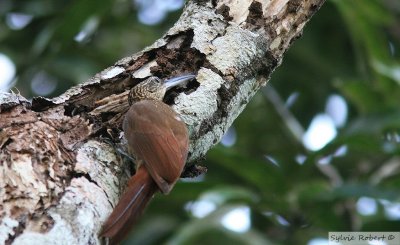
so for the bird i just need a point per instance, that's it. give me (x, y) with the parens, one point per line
(159, 140)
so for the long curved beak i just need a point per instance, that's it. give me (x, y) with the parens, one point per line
(175, 81)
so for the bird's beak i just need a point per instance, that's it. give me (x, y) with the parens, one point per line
(175, 81)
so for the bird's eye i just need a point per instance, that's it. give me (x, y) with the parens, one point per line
(155, 80)
(153, 88)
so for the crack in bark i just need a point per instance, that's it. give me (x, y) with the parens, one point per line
(84, 175)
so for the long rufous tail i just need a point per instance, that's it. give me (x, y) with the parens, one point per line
(140, 190)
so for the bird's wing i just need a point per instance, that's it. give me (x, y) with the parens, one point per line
(162, 156)
(164, 162)
(158, 137)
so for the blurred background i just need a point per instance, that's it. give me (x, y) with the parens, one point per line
(316, 150)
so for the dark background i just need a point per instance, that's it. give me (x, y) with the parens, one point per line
(316, 150)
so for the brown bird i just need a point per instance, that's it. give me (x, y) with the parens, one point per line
(159, 139)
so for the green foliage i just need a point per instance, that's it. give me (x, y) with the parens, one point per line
(349, 48)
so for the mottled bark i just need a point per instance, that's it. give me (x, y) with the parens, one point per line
(60, 175)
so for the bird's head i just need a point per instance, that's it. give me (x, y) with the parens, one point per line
(150, 89)
(154, 89)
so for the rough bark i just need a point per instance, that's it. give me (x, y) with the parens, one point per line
(60, 175)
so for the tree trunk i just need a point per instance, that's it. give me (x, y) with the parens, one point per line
(60, 173)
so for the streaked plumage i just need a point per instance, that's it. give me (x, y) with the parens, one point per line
(159, 139)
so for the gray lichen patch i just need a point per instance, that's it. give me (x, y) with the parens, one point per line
(74, 219)
(206, 97)
(99, 161)
(236, 50)
(9, 100)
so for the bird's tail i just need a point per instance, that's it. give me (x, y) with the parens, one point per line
(140, 190)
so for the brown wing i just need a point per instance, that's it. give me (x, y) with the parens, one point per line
(159, 138)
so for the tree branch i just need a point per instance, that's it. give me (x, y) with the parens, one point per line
(60, 177)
